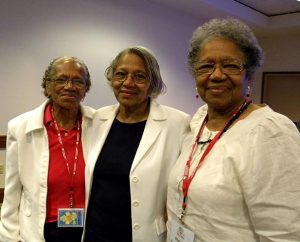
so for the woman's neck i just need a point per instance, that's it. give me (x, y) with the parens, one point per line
(65, 118)
(133, 114)
(218, 118)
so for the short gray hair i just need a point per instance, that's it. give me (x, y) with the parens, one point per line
(157, 86)
(233, 30)
(48, 75)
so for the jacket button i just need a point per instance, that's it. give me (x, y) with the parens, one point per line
(135, 203)
(136, 227)
(135, 179)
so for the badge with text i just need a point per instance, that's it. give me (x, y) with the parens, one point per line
(178, 233)
(70, 217)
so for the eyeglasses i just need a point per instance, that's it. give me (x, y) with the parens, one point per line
(76, 82)
(138, 78)
(228, 67)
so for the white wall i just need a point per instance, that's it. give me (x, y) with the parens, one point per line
(33, 32)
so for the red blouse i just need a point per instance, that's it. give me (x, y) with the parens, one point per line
(59, 179)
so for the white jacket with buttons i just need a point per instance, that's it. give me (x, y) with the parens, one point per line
(157, 152)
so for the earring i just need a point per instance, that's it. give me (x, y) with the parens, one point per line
(197, 95)
(248, 91)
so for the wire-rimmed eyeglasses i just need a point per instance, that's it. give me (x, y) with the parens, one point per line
(228, 67)
(76, 82)
(138, 78)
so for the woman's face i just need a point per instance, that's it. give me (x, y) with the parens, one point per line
(220, 90)
(130, 82)
(68, 85)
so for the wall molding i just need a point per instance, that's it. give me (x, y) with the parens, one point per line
(2, 141)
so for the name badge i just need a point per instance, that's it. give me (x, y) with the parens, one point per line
(70, 217)
(178, 233)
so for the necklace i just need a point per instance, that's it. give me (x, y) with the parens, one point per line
(204, 142)
(72, 175)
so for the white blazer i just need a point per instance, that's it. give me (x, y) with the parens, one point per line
(157, 152)
(23, 211)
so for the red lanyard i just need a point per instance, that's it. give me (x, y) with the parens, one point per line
(188, 179)
(72, 175)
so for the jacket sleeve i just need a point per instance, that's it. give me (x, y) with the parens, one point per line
(185, 124)
(9, 226)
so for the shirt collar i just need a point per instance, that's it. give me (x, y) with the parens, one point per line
(47, 115)
(48, 119)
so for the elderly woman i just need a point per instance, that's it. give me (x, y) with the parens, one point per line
(237, 178)
(138, 141)
(44, 185)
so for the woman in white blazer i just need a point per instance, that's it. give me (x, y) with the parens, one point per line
(34, 152)
(136, 142)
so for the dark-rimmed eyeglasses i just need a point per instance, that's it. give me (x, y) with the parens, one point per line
(228, 67)
(138, 78)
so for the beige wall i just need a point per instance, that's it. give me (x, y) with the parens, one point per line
(2, 158)
(282, 54)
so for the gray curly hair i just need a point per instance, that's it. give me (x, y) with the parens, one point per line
(231, 29)
(157, 86)
(48, 75)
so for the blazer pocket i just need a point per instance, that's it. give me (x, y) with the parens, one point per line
(160, 225)
(25, 205)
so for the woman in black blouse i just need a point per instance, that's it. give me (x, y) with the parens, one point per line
(136, 143)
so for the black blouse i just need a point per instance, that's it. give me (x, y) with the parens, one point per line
(109, 211)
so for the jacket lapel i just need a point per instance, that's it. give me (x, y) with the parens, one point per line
(103, 121)
(37, 120)
(151, 133)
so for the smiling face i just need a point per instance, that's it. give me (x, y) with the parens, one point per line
(67, 95)
(131, 94)
(219, 90)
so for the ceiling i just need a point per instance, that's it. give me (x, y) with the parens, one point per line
(264, 16)
(272, 8)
